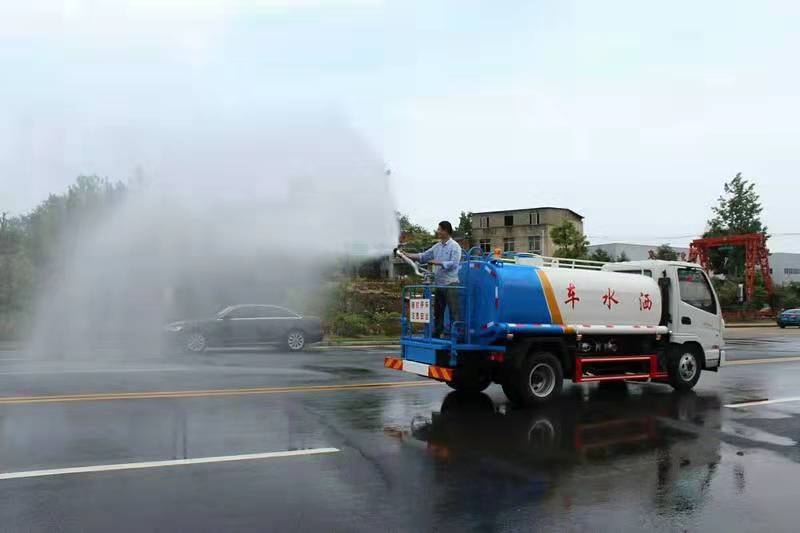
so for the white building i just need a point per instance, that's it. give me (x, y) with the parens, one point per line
(634, 252)
(785, 268)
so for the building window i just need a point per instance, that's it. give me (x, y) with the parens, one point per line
(508, 245)
(483, 222)
(533, 218)
(535, 244)
(791, 271)
(509, 220)
(486, 245)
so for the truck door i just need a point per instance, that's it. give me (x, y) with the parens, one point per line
(698, 314)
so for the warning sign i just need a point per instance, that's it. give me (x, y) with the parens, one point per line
(420, 309)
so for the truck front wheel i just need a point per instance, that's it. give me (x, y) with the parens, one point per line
(539, 379)
(684, 367)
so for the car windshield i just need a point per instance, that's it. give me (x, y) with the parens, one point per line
(224, 311)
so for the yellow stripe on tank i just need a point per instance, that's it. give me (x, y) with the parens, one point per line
(550, 296)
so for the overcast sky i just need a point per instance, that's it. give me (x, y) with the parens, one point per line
(630, 113)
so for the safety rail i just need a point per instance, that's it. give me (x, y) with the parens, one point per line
(559, 262)
(651, 360)
(537, 260)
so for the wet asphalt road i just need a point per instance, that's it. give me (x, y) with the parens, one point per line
(411, 456)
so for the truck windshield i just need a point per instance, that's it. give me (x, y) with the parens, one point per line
(695, 289)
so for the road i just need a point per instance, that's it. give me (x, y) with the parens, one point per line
(166, 443)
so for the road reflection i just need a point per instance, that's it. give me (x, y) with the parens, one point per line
(611, 445)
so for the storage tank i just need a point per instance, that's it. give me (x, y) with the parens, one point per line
(548, 299)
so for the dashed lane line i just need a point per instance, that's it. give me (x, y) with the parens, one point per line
(161, 464)
(739, 405)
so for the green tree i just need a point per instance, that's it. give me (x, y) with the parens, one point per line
(738, 211)
(665, 252)
(601, 255)
(570, 242)
(413, 235)
(623, 257)
(32, 246)
(465, 226)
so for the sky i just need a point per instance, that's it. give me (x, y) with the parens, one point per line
(631, 113)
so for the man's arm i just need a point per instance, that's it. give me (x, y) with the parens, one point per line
(426, 256)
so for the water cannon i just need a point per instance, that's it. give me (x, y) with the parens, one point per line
(424, 273)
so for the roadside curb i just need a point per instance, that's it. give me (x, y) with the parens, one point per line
(351, 346)
(767, 325)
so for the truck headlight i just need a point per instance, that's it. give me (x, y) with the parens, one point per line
(174, 328)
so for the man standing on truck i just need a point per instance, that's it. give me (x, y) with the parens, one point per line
(445, 257)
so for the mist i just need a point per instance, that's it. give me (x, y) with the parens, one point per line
(221, 211)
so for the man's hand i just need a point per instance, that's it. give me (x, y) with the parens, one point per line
(437, 263)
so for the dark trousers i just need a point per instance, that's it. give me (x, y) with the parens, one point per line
(445, 298)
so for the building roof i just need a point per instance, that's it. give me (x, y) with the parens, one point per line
(528, 209)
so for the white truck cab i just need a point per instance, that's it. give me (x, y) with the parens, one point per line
(693, 313)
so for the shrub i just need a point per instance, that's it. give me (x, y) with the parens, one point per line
(350, 325)
(387, 323)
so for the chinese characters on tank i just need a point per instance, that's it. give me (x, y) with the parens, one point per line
(571, 295)
(609, 298)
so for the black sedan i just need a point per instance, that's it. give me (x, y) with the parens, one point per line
(246, 325)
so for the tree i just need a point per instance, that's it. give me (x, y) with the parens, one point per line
(33, 245)
(665, 252)
(623, 257)
(464, 227)
(570, 242)
(601, 255)
(413, 235)
(738, 212)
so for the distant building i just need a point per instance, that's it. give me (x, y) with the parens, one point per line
(785, 268)
(520, 230)
(634, 252)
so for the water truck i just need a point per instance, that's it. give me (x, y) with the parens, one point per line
(528, 322)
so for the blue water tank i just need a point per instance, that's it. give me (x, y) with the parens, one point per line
(502, 293)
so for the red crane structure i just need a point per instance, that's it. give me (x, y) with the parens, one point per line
(755, 245)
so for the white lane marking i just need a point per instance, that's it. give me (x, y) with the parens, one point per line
(93, 371)
(159, 464)
(762, 402)
(762, 361)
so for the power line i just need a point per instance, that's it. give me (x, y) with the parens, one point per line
(662, 238)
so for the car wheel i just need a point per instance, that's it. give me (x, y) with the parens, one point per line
(295, 340)
(684, 368)
(539, 379)
(196, 342)
(782, 326)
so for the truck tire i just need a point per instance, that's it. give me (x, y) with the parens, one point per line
(538, 380)
(684, 366)
(469, 381)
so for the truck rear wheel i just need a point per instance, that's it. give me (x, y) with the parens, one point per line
(539, 379)
(683, 367)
